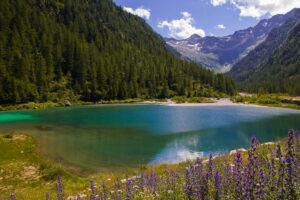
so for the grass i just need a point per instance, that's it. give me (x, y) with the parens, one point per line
(23, 172)
(29, 106)
(183, 99)
(271, 100)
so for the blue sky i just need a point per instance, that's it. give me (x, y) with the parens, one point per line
(181, 18)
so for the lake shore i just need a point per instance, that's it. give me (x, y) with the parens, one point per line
(167, 102)
(217, 102)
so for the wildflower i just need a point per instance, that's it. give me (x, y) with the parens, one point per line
(59, 189)
(143, 180)
(204, 186)
(227, 177)
(260, 187)
(290, 167)
(272, 173)
(188, 186)
(48, 196)
(93, 189)
(104, 191)
(198, 172)
(135, 187)
(237, 175)
(217, 180)
(210, 167)
(170, 191)
(252, 170)
(128, 189)
(12, 196)
(153, 182)
(280, 186)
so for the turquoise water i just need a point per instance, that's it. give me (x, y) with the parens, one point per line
(93, 138)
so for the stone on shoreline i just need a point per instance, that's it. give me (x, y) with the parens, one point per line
(67, 103)
(237, 150)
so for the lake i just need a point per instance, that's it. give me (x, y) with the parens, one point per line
(112, 137)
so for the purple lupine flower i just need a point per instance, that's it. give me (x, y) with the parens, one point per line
(210, 167)
(59, 193)
(290, 167)
(78, 197)
(59, 188)
(290, 185)
(59, 179)
(260, 186)
(194, 180)
(128, 189)
(272, 173)
(93, 189)
(198, 172)
(280, 186)
(168, 180)
(251, 170)
(12, 196)
(118, 184)
(188, 187)
(174, 176)
(143, 180)
(237, 175)
(118, 190)
(217, 184)
(104, 191)
(48, 196)
(153, 182)
(227, 177)
(204, 187)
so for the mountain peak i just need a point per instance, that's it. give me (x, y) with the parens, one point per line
(218, 53)
(194, 36)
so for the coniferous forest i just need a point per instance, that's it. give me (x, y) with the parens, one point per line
(281, 72)
(91, 50)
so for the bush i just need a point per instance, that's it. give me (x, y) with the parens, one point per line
(179, 99)
(8, 136)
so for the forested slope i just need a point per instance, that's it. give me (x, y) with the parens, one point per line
(281, 73)
(91, 49)
(244, 69)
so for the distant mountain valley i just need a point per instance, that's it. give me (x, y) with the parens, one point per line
(220, 54)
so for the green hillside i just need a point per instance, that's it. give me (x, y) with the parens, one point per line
(281, 73)
(92, 50)
(244, 69)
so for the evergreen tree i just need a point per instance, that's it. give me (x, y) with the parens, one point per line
(93, 50)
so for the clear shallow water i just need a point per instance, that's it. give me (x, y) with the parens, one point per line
(92, 138)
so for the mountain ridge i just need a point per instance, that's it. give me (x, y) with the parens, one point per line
(280, 73)
(243, 69)
(220, 53)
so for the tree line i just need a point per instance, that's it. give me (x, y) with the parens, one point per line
(91, 50)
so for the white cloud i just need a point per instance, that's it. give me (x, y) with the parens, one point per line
(259, 8)
(221, 26)
(141, 12)
(181, 28)
(218, 2)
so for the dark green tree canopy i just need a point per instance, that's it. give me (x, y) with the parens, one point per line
(53, 49)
